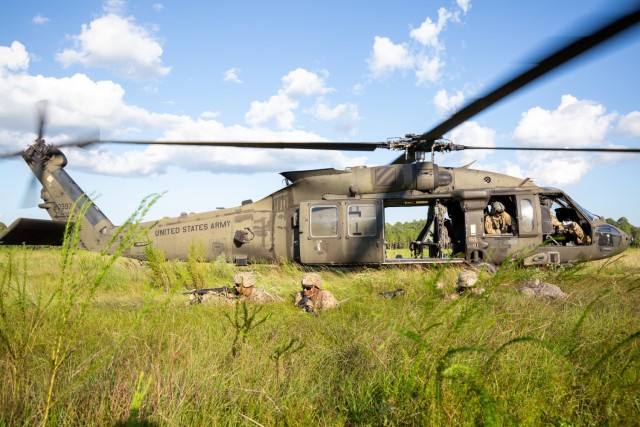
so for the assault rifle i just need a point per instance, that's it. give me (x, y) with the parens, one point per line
(307, 306)
(200, 292)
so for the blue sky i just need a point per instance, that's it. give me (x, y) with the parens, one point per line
(307, 71)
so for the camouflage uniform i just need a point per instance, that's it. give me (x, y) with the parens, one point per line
(573, 229)
(246, 280)
(498, 222)
(325, 299)
(260, 295)
(320, 300)
(218, 297)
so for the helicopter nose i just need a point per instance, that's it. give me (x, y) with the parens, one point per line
(626, 241)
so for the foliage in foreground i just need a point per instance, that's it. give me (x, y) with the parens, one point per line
(421, 359)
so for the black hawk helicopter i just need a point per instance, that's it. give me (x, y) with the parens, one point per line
(336, 217)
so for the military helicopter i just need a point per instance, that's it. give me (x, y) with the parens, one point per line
(336, 217)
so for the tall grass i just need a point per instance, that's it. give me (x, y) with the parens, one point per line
(419, 359)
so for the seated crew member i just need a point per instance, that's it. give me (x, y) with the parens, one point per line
(498, 221)
(569, 228)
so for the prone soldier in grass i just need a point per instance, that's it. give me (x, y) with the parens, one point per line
(245, 289)
(312, 297)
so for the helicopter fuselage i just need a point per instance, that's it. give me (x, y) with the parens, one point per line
(337, 217)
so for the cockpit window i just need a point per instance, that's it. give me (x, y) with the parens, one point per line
(588, 214)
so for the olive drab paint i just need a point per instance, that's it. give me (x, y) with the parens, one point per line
(336, 217)
(329, 216)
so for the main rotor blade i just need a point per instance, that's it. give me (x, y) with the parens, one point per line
(542, 67)
(589, 150)
(42, 117)
(311, 145)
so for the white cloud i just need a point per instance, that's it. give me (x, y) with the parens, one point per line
(231, 75)
(78, 103)
(303, 83)
(427, 33)
(464, 5)
(340, 112)
(554, 169)
(472, 134)
(630, 123)
(39, 19)
(345, 116)
(209, 115)
(114, 6)
(14, 58)
(575, 123)
(118, 44)
(425, 56)
(279, 107)
(447, 104)
(388, 57)
(297, 85)
(158, 7)
(428, 70)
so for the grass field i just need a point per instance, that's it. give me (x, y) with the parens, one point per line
(83, 342)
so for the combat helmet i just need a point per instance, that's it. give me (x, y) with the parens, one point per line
(244, 279)
(312, 279)
(497, 207)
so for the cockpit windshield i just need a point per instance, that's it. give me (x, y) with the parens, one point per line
(587, 213)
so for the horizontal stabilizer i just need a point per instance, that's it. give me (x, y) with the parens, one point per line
(34, 232)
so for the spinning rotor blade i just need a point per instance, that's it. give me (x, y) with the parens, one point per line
(312, 145)
(428, 141)
(542, 67)
(589, 150)
(42, 117)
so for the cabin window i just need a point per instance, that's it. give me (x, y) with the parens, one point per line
(324, 221)
(526, 208)
(362, 220)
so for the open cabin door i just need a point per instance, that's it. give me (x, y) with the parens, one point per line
(341, 232)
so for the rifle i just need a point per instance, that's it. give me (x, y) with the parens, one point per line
(308, 307)
(200, 292)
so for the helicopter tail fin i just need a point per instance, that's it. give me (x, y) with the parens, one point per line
(63, 198)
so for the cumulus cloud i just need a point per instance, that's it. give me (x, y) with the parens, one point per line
(298, 85)
(39, 19)
(278, 107)
(231, 75)
(553, 169)
(425, 56)
(464, 5)
(447, 104)
(630, 124)
(472, 134)
(428, 32)
(344, 116)
(388, 57)
(78, 103)
(303, 83)
(14, 57)
(118, 44)
(575, 123)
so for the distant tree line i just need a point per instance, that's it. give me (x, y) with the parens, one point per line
(400, 234)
